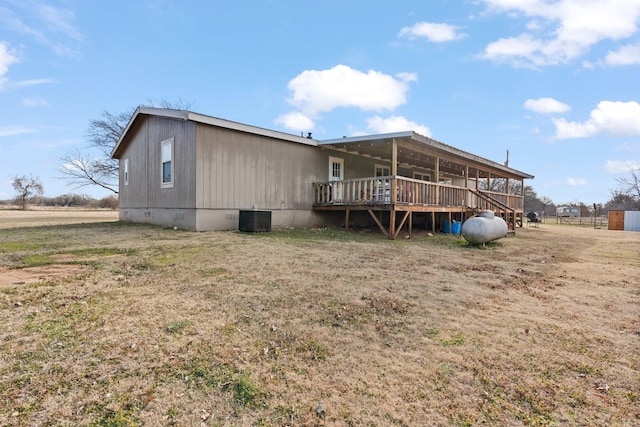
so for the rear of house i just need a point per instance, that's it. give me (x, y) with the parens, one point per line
(197, 172)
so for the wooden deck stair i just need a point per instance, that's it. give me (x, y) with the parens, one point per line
(509, 213)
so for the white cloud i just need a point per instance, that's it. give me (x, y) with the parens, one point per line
(432, 31)
(51, 26)
(395, 124)
(616, 118)
(32, 82)
(621, 166)
(626, 55)
(14, 130)
(317, 91)
(34, 102)
(7, 58)
(296, 121)
(519, 50)
(407, 77)
(58, 20)
(546, 105)
(564, 30)
(576, 182)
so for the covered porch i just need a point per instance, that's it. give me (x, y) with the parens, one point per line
(415, 174)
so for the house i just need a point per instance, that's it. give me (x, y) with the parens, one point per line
(197, 172)
(567, 211)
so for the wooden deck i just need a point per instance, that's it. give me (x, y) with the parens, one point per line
(406, 196)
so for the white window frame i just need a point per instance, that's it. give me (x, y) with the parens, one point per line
(339, 161)
(382, 191)
(125, 171)
(167, 156)
(422, 176)
(377, 167)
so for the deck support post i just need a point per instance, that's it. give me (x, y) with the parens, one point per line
(392, 224)
(433, 222)
(466, 185)
(410, 224)
(346, 221)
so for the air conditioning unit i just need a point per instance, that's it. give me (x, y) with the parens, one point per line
(254, 221)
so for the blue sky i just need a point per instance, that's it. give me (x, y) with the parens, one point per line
(555, 82)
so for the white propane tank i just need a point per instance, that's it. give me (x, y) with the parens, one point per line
(484, 228)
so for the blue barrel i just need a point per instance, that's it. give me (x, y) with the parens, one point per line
(454, 228)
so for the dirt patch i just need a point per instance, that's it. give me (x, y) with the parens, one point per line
(39, 274)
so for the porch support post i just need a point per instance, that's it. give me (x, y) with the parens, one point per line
(437, 172)
(433, 222)
(466, 185)
(522, 194)
(450, 224)
(346, 221)
(394, 172)
(394, 157)
(410, 224)
(392, 223)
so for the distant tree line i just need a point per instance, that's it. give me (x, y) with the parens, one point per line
(624, 198)
(67, 201)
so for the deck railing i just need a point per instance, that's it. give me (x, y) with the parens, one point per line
(514, 201)
(386, 190)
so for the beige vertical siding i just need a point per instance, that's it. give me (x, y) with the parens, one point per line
(143, 150)
(134, 194)
(236, 170)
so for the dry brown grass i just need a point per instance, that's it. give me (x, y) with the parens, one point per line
(315, 327)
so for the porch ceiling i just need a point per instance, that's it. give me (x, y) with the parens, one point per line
(417, 151)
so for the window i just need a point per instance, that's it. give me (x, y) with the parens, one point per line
(125, 173)
(381, 170)
(336, 173)
(382, 190)
(167, 162)
(422, 176)
(336, 169)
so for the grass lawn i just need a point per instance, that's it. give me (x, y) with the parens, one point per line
(116, 324)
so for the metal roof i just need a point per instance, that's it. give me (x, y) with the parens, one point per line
(414, 149)
(208, 120)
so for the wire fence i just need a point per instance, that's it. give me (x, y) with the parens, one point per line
(584, 221)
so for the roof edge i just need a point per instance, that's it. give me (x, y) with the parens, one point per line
(419, 138)
(208, 120)
(366, 137)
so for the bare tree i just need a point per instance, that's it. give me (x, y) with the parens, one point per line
(94, 167)
(26, 188)
(622, 202)
(631, 184)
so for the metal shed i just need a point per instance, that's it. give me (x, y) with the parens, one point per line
(624, 220)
